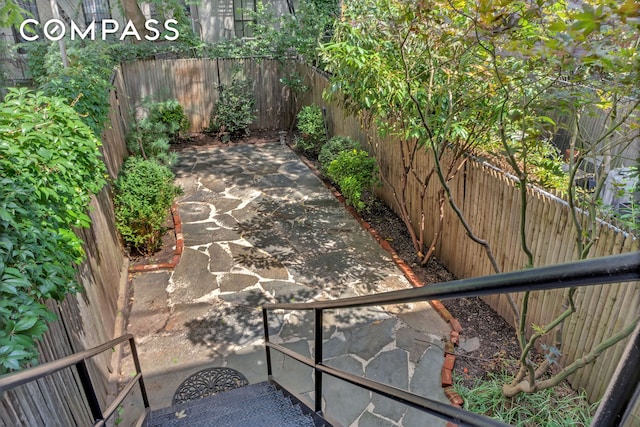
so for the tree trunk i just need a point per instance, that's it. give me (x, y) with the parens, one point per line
(133, 13)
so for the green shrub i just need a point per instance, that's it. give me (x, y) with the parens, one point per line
(151, 136)
(235, 109)
(332, 148)
(312, 131)
(355, 174)
(149, 140)
(144, 193)
(171, 114)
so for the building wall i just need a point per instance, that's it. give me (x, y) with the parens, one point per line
(215, 18)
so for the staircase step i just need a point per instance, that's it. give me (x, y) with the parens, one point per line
(209, 406)
(258, 404)
(230, 397)
(281, 414)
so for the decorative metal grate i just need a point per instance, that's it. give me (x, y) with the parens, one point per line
(208, 382)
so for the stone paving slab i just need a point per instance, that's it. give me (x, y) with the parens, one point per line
(260, 227)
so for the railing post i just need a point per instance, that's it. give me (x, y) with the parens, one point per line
(265, 322)
(89, 392)
(136, 362)
(624, 387)
(318, 360)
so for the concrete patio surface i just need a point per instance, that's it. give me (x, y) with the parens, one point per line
(259, 227)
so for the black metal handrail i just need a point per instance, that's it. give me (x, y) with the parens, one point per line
(7, 382)
(624, 388)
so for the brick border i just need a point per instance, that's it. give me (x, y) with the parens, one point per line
(177, 254)
(456, 329)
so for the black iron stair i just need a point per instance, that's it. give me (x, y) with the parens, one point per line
(250, 406)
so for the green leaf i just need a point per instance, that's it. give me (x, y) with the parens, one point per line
(25, 323)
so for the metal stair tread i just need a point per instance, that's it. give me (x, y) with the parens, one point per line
(264, 404)
(284, 414)
(251, 391)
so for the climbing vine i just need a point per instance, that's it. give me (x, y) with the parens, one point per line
(50, 166)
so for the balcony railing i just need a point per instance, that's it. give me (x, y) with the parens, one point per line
(620, 397)
(79, 360)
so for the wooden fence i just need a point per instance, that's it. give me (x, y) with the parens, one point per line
(490, 201)
(195, 82)
(88, 318)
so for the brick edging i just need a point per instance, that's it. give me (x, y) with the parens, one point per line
(456, 329)
(177, 254)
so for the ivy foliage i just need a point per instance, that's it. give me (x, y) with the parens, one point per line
(50, 165)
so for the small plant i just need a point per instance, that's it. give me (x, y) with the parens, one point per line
(313, 134)
(333, 148)
(151, 136)
(549, 407)
(150, 141)
(144, 193)
(235, 109)
(170, 114)
(119, 416)
(355, 173)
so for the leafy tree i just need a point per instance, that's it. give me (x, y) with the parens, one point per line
(133, 13)
(460, 77)
(293, 35)
(407, 53)
(50, 166)
(577, 59)
(10, 13)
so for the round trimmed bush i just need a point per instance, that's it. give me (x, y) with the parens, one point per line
(333, 148)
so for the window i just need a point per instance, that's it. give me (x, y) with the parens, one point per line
(96, 10)
(31, 7)
(242, 17)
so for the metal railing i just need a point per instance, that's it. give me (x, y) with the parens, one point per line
(78, 360)
(624, 388)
